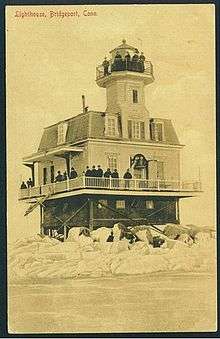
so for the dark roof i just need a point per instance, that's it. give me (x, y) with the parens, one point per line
(80, 127)
(170, 133)
(92, 125)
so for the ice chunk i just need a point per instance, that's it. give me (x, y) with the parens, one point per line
(101, 234)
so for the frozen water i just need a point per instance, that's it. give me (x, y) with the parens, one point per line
(44, 257)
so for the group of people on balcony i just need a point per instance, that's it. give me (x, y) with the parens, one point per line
(62, 177)
(134, 63)
(107, 175)
(28, 184)
(99, 173)
(89, 173)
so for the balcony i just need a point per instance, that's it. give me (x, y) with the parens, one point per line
(106, 185)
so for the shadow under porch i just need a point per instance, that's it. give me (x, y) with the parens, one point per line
(104, 211)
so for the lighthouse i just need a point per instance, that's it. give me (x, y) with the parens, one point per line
(124, 159)
(128, 74)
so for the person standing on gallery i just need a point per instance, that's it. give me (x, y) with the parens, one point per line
(59, 177)
(107, 176)
(127, 176)
(73, 173)
(115, 178)
(105, 65)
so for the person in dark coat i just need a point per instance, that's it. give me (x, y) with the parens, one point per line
(118, 62)
(105, 65)
(128, 57)
(93, 172)
(110, 237)
(127, 176)
(73, 173)
(99, 172)
(142, 60)
(107, 175)
(135, 60)
(30, 183)
(23, 186)
(88, 172)
(115, 177)
(64, 177)
(59, 177)
(115, 174)
(127, 61)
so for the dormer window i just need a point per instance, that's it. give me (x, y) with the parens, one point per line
(136, 129)
(135, 96)
(157, 131)
(62, 129)
(112, 126)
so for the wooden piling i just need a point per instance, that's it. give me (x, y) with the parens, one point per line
(177, 211)
(41, 220)
(64, 232)
(91, 214)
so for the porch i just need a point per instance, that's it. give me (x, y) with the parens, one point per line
(109, 184)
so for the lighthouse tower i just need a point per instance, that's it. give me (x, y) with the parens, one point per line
(124, 76)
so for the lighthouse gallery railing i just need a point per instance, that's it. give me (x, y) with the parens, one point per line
(110, 184)
(148, 69)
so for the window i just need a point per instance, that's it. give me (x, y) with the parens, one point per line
(156, 131)
(111, 126)
(136, 129)
(149, 204)
(120, 204)
(62, 129)
(112, 162)
(135, 96)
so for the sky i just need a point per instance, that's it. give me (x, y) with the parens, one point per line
(51, 62)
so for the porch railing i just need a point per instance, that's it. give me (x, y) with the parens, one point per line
(110, 184)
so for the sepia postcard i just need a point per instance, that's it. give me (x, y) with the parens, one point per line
(111, 180)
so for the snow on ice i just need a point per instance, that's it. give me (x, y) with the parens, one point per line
(82, 255)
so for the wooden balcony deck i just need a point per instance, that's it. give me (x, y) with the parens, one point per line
(131, 185)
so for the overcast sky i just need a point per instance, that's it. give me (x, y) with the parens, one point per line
(51, 62)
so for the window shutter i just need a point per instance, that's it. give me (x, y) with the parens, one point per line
(142, 130)
(152, 131)
(160, 132)
(160, 170)
(129, 129)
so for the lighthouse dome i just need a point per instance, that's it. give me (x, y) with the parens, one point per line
(123, 49)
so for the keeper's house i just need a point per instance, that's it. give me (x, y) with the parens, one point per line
(124, 136)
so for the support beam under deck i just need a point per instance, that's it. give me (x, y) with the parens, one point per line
(91, 214)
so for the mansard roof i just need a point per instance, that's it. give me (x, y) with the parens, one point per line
(92, 125)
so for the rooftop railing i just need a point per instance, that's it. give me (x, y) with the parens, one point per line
(110, 184)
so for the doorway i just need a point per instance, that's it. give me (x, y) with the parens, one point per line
(44, 175)
(51, 173)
